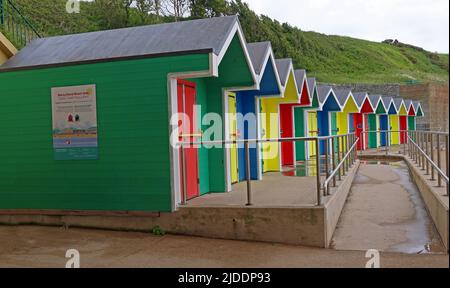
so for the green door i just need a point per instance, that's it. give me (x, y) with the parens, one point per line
(372, 127)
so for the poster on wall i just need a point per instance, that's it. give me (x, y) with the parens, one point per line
(74, 114)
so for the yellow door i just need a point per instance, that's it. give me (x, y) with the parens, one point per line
(270, 130)
(312, 132)
(395, 126)
(233, 136)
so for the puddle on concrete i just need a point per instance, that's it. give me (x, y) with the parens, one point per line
(304, 169)
(420, 231)
(361, 227)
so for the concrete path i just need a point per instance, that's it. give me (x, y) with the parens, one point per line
(27, 246)
(385, 211)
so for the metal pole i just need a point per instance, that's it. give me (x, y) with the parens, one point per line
(319, 194)
(183, 174)
(446, 157)
(405, 141)
(339, 158)
(426, 152)
(347, 148)
(327, 168)
(387, 142)
(422, 155)
(247, 169)
(333, 158)
(438, 144)
(432, 157)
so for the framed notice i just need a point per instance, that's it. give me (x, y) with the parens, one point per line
(74, 114)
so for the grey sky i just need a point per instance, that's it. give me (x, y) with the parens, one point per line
(417, 22)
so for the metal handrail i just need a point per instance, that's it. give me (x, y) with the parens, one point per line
(16, 25)
(440, 172)
(334, 173)
(349, 158)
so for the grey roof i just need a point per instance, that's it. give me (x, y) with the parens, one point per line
(311, 85)
(386, 101)
(283, 66)
(300, 79)
(162, 39)
(323, 91)
(258, 52)
(342, 94)
(359, 98)
(408, 104)
(398, 103)
(374, 99)
(417, 105)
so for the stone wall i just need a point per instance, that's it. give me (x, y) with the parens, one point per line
(435, 101)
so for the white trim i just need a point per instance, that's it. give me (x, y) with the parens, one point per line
(172, 87)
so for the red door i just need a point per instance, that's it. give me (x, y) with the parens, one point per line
(188, 130)
(403, 127)
(287, 131)
(358, 123)
(366, 128)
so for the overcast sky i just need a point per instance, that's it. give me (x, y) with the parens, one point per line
(418, 22)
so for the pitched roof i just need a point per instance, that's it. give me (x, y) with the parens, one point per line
(398, 103)
(283, 67)
(323, 92)
(300, 76)
(258, 52)
(359, 98)
(342, 94)
(374, 100)
(153, 40)
(386, 101)
(408, 104)
(311, 85)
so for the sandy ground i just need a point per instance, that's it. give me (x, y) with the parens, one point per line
(384, 211)
(27, 246)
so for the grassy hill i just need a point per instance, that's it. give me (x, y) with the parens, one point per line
(333, 59)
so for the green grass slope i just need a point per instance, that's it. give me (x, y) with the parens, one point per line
(333, 59)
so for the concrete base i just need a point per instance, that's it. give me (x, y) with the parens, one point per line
(437, 204)
(306, 225)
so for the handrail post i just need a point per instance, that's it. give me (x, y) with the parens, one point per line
(327, 168)
(387, 142)
(432, 157)
(438, 144)
(405, 141)
(347, 149)
(446, 157)
(339, 157)
(423, 148)
(183, 174)
(333, 156)
(426, 152)
(248, 175)
(319, 193)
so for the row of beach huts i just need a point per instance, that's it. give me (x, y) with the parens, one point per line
(141, 77)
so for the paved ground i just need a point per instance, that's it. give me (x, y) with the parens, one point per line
(46, 247)
(293, 187)
(385, 211)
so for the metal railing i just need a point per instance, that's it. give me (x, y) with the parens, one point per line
(339, 155)
(425, 148)
(19, 30)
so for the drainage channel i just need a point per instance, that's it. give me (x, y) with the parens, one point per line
(385, 211)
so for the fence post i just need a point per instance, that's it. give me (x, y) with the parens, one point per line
(432, 157)
(183, 174)
(247, 169)
(327, 168)
(438, 144)
(446, 157)
(427, 143)
(387, 142)
(339, 157)
(319, 193)
(333, 156)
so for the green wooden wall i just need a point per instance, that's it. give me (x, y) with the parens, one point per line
(372, 127)
(133, 169)
(299, 121)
